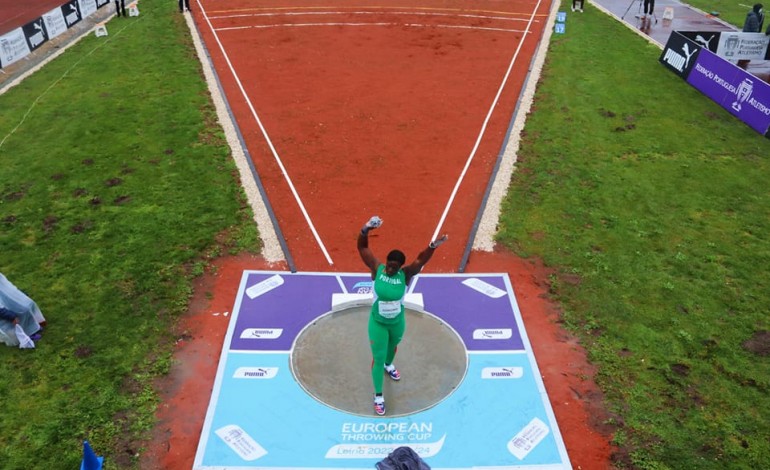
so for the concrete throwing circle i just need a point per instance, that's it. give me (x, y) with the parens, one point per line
(331, 360)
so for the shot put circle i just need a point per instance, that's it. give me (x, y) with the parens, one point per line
(331, 360)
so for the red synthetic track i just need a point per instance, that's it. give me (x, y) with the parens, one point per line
(371, 119)
(373, 111)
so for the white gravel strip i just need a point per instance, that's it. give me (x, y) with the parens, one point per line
(271, 249)
(485, 235)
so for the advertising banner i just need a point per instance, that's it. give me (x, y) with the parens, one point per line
(732, 45)
(680, 54)
(87, 7)
(22, 41)
(739, 92)
(54, 23)
(13, 47)
(71, 13)
(706, 39)
(35, 33)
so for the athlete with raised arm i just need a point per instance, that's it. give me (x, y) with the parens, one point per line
(387, 320)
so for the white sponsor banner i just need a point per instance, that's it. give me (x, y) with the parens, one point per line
(13, 47)
(243, 444)
(54, 23)
(87, 7)
(492, 333)
(484, 287)
(734, 45)
(255, 373)
(368, 451)
(265, 286)
(528, 438)
(261, 333)
(502, 373)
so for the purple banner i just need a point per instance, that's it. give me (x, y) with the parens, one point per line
(742, 94)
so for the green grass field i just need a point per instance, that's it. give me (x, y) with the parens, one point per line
(648, 201)
(115, 191)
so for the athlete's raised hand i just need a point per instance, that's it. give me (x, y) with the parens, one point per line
(371, 224)
(437, 242)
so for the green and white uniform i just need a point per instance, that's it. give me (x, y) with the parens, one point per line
(387, 321)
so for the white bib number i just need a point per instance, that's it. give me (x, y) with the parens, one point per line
(389, 309)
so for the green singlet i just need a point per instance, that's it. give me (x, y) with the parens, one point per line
(387, 321)
(390, 291)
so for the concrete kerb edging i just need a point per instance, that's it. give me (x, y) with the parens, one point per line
(272, 249)
(485, 236)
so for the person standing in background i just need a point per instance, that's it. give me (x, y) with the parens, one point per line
(753, 24)
(577, 5)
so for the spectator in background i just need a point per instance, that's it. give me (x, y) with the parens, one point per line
(120, 5)
(184, 5)
(753, 24)
(577, 5)
(754, 19)
(649, 7)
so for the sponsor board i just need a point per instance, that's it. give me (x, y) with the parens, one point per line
(492, 333)
(86, 8)
(255, 373)
(261, 333)
(22, 41)
(54, 23)
(13, 47)
(705, 39)
(510, 372)
(528, 438)
(264, 286)
(36, 33)
(240, 442)
(679, 54)
(737, 91)
(735, 45)
(484, 287)
(732, 45)
(71, 13)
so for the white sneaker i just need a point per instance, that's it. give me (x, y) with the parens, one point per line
(573, 8)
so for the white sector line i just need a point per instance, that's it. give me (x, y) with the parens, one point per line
(267, 138)
(484, 126)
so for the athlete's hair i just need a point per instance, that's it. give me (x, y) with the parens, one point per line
(397, 255)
